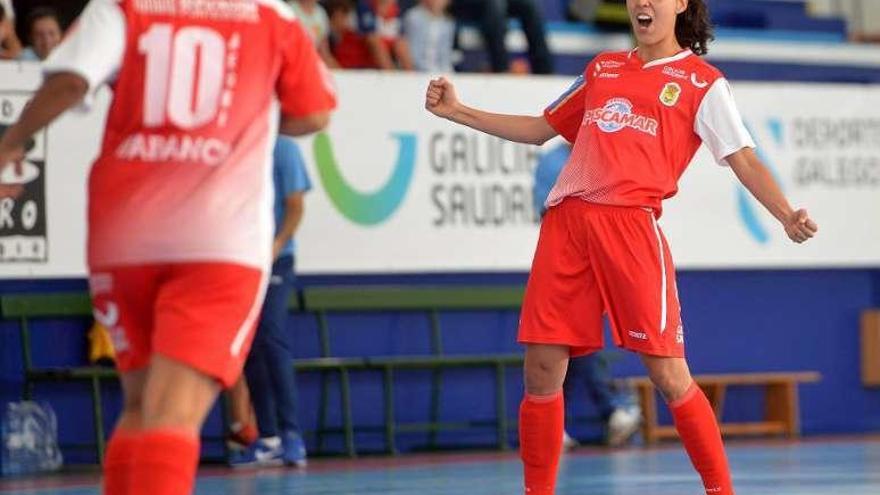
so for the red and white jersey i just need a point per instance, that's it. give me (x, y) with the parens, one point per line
(636, 126)
(184, 172)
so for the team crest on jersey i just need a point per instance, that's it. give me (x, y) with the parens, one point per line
(669, 95)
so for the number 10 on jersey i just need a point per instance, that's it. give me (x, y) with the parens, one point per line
(190, 75)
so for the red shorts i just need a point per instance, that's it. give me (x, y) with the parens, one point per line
(200, 314)
(595, 259)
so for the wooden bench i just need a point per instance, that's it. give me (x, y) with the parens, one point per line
(870, 347)
(781, 409)
(430, 301)
(28, 309)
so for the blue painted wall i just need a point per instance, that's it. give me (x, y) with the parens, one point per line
(734, 321)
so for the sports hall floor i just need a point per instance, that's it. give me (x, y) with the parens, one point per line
(814, 467)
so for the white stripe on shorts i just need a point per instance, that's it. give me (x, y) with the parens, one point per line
(252, 315)
(662, 275)
(266, 221)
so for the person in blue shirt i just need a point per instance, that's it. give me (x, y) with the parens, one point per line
(269, 369)
(592, 370)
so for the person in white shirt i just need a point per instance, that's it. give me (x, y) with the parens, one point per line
(431, 35)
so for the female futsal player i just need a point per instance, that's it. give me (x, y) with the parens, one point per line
(636, 120)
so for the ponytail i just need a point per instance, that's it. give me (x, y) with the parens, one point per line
(693, 27)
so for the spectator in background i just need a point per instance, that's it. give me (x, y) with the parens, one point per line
(379, 22)
(621, 419)
(430, 32)
(315, 19)
(44, 34)
(269, 367)
(10, 46)
(367, 35)
(347, 45)
(492, 17)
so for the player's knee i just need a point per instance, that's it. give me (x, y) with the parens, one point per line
(545, 367)
(178, 408)
(177, 394)
(542, 377)
(672, 382)
(162, 414)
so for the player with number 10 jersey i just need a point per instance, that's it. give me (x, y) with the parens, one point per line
(184, 172)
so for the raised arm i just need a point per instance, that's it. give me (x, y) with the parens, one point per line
(760, 182)
(720, 126)
(442, 101)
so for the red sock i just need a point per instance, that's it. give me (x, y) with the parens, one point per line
(698, 429)
(244, 435)
(541, 423)
(249, 434)
(165, 463)
(118, 461)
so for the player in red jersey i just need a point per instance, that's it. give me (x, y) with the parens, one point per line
(180, 197)
(636, 120)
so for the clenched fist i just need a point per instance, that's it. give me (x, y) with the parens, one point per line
(800, 227)
(441, 99)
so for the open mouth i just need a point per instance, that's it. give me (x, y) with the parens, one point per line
(644, 20)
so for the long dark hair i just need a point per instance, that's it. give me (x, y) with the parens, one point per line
(693, 27)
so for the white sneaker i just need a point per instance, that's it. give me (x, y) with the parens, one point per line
(623, 424)
(568, 443)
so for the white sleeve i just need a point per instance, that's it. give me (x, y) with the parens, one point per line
(95, 46)
(719, 123)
